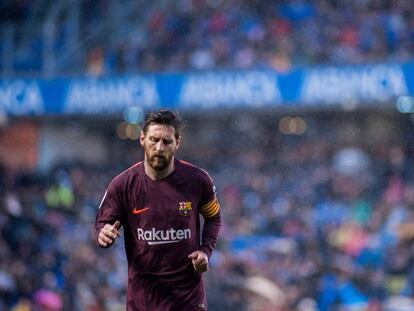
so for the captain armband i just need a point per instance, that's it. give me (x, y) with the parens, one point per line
(210, 209)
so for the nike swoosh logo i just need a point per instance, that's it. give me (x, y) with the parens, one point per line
(136, 211)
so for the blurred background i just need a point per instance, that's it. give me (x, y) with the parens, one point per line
(301, 111)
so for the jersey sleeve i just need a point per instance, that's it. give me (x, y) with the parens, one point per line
(110, 209)
(210, 209)
(209, 203)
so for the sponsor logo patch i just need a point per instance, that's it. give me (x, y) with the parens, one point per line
(154, 236)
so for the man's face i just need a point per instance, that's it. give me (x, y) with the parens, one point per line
(159, 145)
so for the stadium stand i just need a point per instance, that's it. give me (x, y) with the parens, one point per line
(103, 37)
(317, 201)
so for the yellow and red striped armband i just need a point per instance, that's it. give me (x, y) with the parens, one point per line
(210, 209)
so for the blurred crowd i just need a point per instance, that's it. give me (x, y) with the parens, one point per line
(210, 34)
(206, 34)
(322, 221)
(311, 222)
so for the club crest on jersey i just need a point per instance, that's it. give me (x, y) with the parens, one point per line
(185, 208)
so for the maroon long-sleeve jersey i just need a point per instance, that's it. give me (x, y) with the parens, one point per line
(161, 225)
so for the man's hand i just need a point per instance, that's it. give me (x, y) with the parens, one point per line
(199, 260)
(108, 234)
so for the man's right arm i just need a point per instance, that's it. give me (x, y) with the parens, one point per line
(109, 218)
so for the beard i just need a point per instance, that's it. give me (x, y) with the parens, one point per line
(158, 162)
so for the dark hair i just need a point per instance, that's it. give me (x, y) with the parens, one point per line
(166, 117)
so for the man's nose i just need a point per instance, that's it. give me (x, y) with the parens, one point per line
(159, 146)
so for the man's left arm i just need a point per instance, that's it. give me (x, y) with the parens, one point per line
(209, 236)
(210, 210)
(211, 228)
(210, 232)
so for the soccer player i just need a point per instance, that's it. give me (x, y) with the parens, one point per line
(158, 202)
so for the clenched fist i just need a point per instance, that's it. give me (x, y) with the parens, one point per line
(108, 234)
(199, 260)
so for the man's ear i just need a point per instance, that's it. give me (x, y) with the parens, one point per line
(142, 138)
(178, 142)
